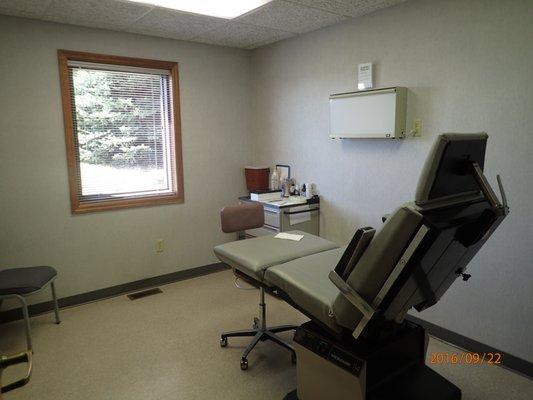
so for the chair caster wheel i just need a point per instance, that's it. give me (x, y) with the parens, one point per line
(293, 358)
(255, 325)
(223, 342)
(244, 364)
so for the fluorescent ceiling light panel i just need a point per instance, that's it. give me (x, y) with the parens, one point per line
(216, 8)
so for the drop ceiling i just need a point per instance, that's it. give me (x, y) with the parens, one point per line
(274, 21)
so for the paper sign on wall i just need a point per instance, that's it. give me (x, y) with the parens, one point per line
(364, 76)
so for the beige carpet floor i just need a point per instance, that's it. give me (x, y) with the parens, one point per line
(166, 347)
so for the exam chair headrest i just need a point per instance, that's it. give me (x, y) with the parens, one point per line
(447, 171)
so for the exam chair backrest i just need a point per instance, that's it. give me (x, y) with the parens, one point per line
(240, 217)
(424, 246)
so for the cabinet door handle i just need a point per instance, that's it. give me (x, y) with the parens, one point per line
(301, 211)
(271, 227)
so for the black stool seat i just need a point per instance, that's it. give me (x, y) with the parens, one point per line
(25, 280)
(21, 282)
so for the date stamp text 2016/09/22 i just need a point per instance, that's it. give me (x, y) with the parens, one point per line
(466, 358)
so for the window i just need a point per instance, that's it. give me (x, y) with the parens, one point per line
(122, 130)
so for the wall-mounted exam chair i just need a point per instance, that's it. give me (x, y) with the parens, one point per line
(357, 344)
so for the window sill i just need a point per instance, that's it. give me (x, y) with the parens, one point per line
(105, 205)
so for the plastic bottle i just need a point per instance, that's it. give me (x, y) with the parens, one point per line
(274, 180)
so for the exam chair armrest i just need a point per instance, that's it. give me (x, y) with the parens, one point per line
(354, 251)
(355, 298)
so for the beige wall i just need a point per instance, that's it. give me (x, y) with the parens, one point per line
(108, 248)
(468, 66)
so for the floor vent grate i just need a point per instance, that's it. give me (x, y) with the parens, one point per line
(144, 293)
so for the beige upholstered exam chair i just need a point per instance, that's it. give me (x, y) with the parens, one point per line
(358, 344)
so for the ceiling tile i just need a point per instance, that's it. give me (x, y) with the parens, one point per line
(24, 8)
(235, 34)
(274, 21)
(341, 7)
(99, 13)
(290, 17)
(352, 8)
(175, 24)
(363, 7)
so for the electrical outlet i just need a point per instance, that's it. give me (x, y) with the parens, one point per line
(417, 127)
(159, 245)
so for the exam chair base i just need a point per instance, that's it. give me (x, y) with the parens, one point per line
(421, 383)
(388, 368)
(260, 332)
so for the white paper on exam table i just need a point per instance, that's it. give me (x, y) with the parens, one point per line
(300, 217)
(289, 236)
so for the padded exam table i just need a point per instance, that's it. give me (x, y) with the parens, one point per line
(254, 257)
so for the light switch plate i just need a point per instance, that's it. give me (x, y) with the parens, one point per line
(417, 127)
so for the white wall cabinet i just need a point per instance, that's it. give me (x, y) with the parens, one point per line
(374, 114)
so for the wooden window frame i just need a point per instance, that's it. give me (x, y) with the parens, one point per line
(80, 207)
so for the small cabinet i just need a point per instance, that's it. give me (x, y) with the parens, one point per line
(292, 216)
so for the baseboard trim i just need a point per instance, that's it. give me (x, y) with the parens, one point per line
(508, 360)
(113, 291)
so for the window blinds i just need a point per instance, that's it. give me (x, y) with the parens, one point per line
(122, 119)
